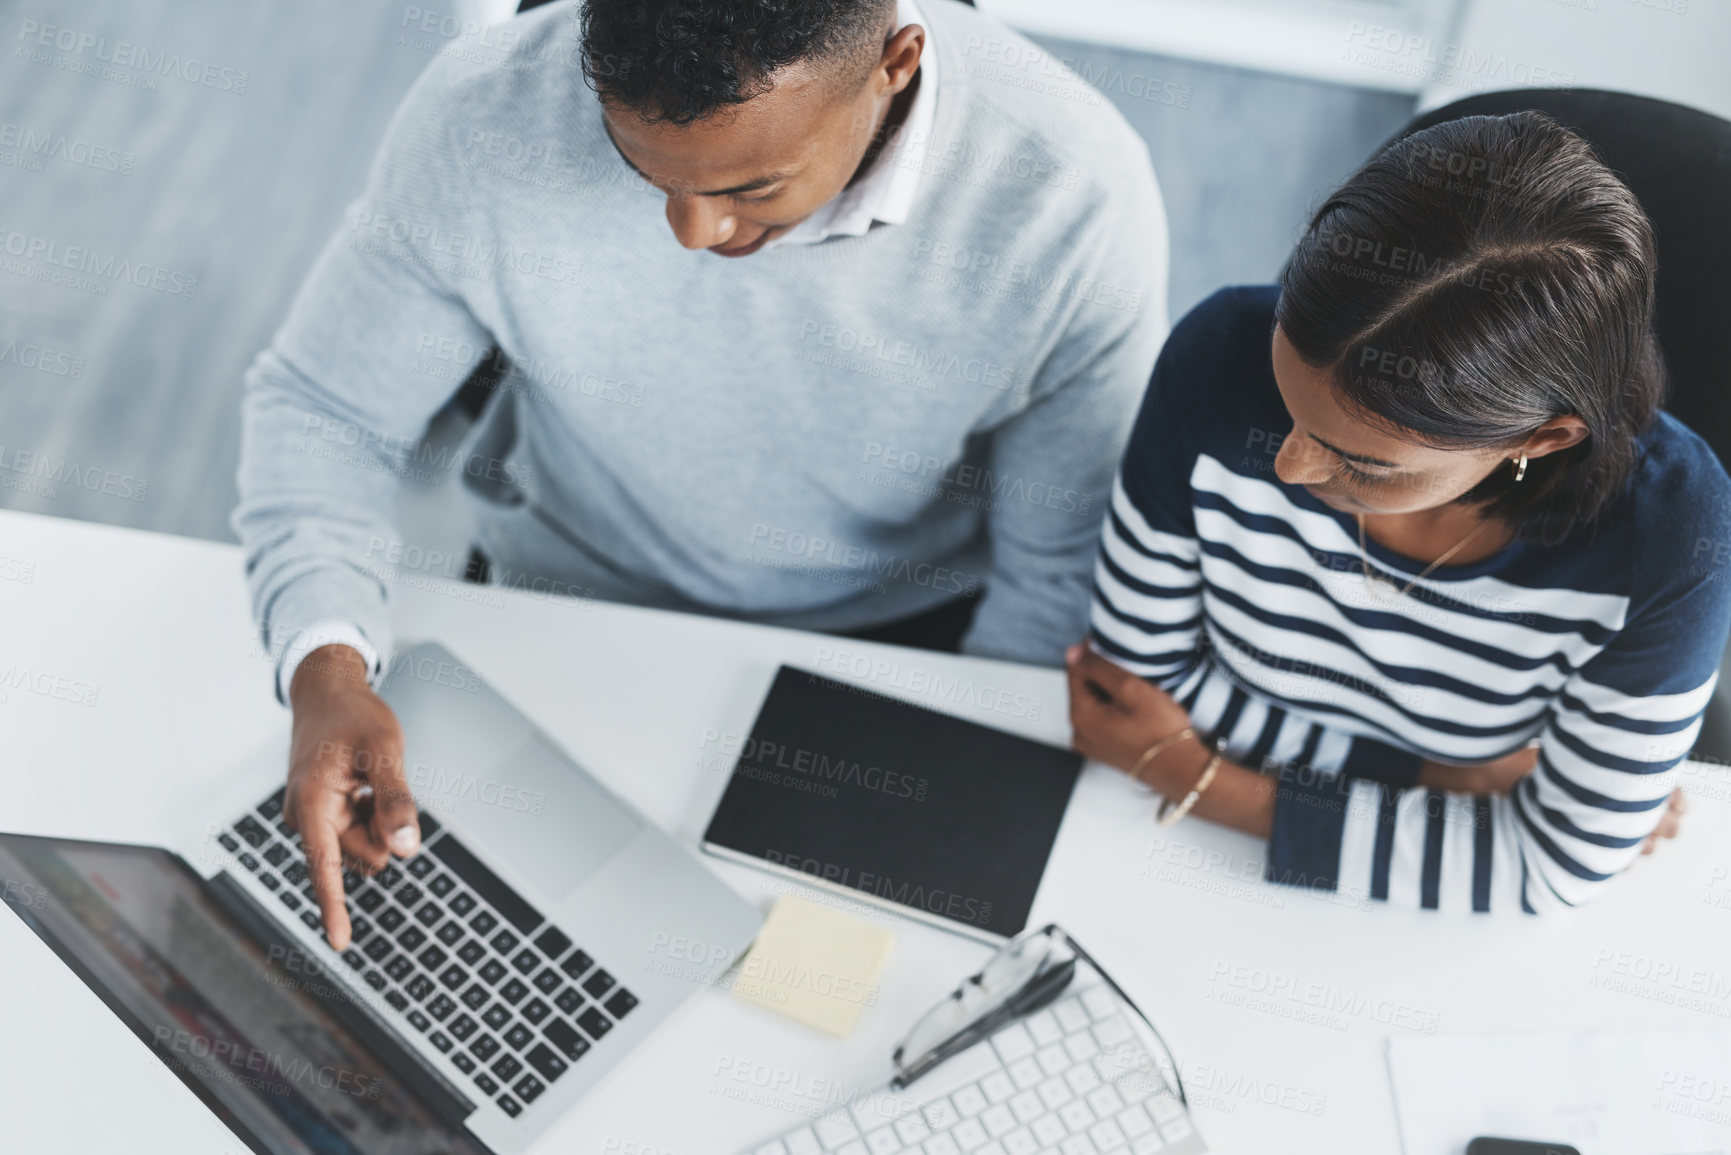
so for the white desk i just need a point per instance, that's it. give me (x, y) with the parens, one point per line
(1276, 1002)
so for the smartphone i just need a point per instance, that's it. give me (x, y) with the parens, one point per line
(1485, 1145)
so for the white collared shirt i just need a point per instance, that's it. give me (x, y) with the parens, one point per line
(885, 192)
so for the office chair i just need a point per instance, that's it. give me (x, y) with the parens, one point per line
(1677, 161)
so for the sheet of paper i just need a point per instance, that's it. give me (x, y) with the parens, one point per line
(1661, 1092)
(815, 964)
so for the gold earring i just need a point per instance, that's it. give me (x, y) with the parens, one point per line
(1521, 467)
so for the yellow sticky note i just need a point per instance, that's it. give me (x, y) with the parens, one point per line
(814, 964)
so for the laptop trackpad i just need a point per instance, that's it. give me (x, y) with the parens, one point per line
(537, 812)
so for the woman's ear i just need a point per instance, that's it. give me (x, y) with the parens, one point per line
(1557, 434)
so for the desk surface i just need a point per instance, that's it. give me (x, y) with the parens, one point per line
(1276, 1002)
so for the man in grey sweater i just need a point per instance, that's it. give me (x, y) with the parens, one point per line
(906, 391)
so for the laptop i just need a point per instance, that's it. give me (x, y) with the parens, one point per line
(494, 979)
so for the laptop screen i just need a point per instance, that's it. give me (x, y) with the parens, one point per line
(250, 1028)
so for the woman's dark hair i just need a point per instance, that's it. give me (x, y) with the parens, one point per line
(1475, 280)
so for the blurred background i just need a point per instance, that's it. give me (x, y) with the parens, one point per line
(221, 193)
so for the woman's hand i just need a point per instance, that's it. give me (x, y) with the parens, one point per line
(1498, 777)
(1116, 716)
(1669, 823)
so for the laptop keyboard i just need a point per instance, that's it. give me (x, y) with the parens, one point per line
(1072, 1079)
(505, 995)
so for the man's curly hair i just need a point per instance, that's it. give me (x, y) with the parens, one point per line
(678, 61)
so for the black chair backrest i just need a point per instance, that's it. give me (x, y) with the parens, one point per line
(1677, 161)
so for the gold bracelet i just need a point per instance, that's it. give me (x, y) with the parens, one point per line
(1169, 814)
(1155, 751)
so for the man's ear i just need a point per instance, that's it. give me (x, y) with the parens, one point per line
(1557, 434)
(901, 58)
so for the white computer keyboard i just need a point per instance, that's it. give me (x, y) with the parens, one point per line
(1073, 1079)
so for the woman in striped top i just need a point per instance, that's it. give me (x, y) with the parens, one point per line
(1408, 535)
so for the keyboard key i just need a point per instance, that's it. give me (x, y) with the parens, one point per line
(535, 1010)
(482, 923)
(519, 1036)
(507, 1067)
(621, 1003)
(421, 1022)
(486, 1083)
(569, 1000)
(378, 950)
(476, 997)
(229, 842)
(370, 900)
(442, 885)
(462, 905)
(359, 928)
(485, 1047)
(513, 991)
(411, 938)
(408, 895)
(420, 987)
(451, 933)
(548, 981)
(552, 942)
(354, 958)
(577, 964)
(400, 967)
(250, 830)
(940, 1116)
(272, 806)
(596, 1023)
(1049, 1130)
(494, 970)
(471, 952)
(526, 961)
(440, 1007)
(270, 880)
(351, 881)
(398, 999)
(509, 1105)
(430, 914)
(438, 1040)
(248, 861)
(529, 1088)
(391, 918)
(311, 918)
(969, 1101)
(429, 826)
(969, 1133)
(275, 853)
(420, 866)
(497, 1016)
(562, 1035)
(463, 1026)
(295, 873)
(504, 942)
(376, 980)
(912, 1129)
(432, 958)
(835, 1129)
(388, 877)
(543, 1059)
(598, 984)
(462, 1062)
(290, 899)
(453, 977)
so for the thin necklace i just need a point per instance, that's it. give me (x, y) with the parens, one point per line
(1369, 578)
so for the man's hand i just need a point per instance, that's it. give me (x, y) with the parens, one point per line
(1498, 777)
(346, 791)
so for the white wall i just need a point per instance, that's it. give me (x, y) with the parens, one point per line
(1678, 50)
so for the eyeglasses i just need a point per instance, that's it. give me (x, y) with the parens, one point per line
(1027, 973)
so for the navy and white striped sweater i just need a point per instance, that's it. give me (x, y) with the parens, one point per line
(1245, 599)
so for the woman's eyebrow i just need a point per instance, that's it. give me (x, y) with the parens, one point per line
(1361, 458)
